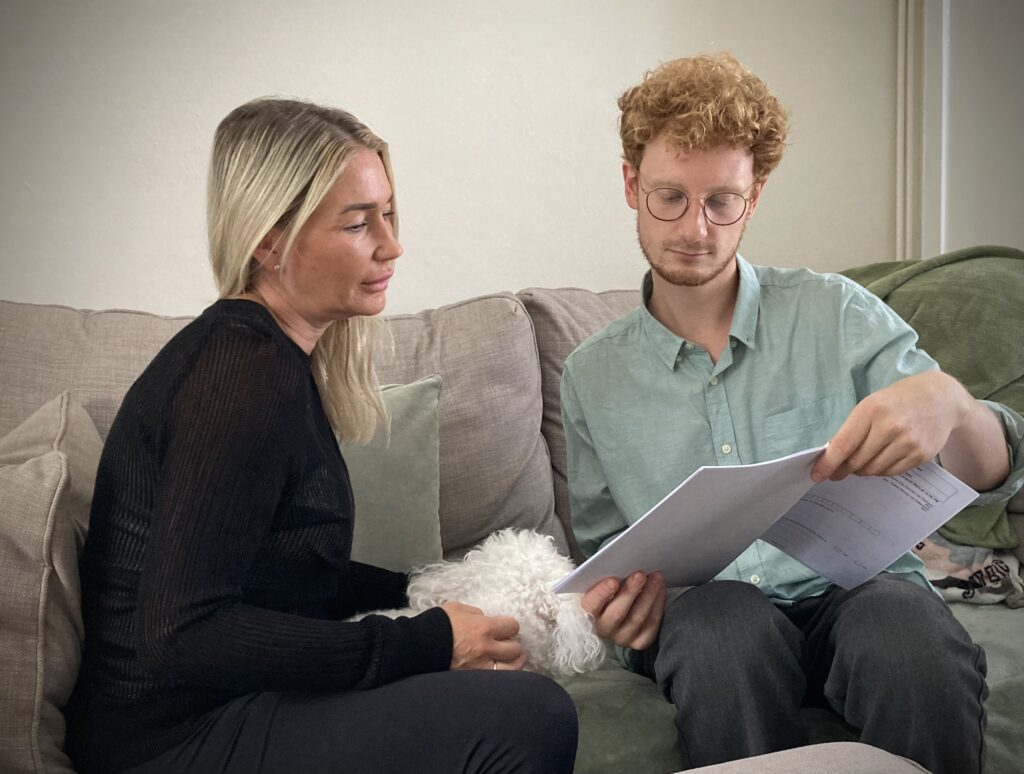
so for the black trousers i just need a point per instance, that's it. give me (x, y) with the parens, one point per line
(888, 656)
(446, 722)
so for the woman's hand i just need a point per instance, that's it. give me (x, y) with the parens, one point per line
(481, 641)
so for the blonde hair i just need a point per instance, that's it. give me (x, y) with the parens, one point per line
(273, 161)
(700, 103)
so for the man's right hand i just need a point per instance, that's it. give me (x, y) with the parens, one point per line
(628, 613)
(481, 641)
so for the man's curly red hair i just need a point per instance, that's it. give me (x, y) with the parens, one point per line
(703, 102)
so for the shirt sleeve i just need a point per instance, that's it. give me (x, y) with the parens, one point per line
(595, 517)
(881, 346)
(365, 587)
(229, 436)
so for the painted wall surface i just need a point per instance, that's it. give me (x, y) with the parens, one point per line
(501, 118)
(984, 189)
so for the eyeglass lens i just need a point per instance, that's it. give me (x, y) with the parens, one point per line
(721, 209)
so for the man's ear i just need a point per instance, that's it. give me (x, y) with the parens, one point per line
(755, 196)
(630, 180)
(266, 253)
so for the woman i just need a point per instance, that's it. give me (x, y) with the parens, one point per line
(216, 573)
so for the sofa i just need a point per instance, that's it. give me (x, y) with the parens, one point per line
(476, 445)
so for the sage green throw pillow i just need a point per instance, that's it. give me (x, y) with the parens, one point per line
(396, 482)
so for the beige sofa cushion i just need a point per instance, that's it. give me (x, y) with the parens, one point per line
(495, 469)
(563, 319)
(47, 469)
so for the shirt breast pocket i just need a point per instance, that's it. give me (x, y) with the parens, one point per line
(805, 425)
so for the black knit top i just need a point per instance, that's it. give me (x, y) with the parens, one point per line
(217, 561)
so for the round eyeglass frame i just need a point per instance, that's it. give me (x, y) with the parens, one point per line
(701, 199)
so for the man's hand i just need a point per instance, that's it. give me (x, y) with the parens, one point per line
(481, 641)
(910, 422)
(629, 613)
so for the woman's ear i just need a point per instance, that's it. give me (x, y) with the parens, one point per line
(266, 253)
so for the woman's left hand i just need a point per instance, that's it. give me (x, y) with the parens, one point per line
(481, 641)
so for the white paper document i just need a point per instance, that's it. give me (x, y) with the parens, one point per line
(848, 531)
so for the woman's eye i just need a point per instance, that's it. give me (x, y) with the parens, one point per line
(356, 228)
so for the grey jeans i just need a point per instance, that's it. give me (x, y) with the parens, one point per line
(888, 656)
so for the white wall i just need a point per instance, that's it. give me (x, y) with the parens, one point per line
(985, 100)
(501, 118)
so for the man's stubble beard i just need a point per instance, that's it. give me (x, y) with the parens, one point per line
(681, 276)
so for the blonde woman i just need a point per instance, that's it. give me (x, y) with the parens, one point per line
(217, 572)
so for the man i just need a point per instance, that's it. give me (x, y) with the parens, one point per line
(728, 363)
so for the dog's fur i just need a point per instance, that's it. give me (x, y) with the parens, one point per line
(511, 573)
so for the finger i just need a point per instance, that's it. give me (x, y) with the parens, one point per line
(519, 663)
(640, 610)
(509, 666)
(503, 627)
(459, 607)
(599, 595)
(505, 651)
(845, 442)
(840, 473)
(509, 659)
(893, 460)
(649, 632)
(874, 440)
(610, 620)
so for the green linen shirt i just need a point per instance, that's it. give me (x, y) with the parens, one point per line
(643, 409)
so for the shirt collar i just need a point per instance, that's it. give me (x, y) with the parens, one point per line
(671, 349)
(748, 304)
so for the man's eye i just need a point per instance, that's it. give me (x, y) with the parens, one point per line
(671, 196)
(719, 201)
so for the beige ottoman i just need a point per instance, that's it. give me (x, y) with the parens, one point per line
(825, 758)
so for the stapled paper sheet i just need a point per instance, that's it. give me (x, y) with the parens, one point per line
(847, 531)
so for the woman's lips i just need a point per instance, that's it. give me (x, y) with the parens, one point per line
(378, 285)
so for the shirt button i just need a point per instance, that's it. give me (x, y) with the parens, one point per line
(689, 345)
(755, 579)
(714, 380)
(732, 345)
(726, 448)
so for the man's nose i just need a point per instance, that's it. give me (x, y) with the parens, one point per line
(694, 224)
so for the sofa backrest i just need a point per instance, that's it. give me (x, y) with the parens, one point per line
(46, 349)
(562, 320)
(494, 465)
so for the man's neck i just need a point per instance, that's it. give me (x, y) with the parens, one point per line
(700, 314)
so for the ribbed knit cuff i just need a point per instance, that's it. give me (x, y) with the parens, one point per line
(419, 644)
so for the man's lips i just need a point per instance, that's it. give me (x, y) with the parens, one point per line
(688, 252)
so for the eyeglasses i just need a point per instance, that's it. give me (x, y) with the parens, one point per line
(721, 209)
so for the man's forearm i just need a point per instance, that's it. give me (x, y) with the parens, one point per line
(976, 451)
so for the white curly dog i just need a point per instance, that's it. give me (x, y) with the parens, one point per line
(511, 573)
